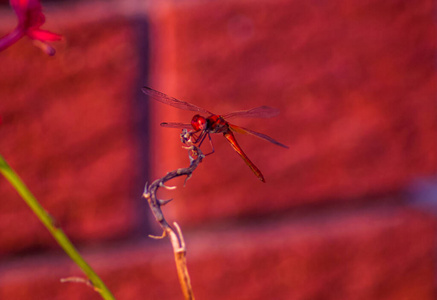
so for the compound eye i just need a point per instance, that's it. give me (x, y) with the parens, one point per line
(198, 122)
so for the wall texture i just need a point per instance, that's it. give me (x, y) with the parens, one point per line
(355, 83)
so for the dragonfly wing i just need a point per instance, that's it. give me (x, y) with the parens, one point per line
(176, 125)
(257, 134)
(257, 112)
(163, 98)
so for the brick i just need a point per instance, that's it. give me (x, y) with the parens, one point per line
(374, 253)
(355, 82)
(68, 130)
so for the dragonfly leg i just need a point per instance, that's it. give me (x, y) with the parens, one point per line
(197, 138)
(210, 142)
(189, 137)
(200, 138)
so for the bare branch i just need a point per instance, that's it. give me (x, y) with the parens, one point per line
(176, 237)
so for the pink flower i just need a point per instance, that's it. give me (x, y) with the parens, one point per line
(30, 19)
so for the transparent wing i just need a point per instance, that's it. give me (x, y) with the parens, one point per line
(257, 112)
(257, 134)
(176, 125)
(163, 98)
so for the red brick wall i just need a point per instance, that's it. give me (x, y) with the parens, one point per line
(354, 255)
(355, 83)
(67, 129)
(356, 93)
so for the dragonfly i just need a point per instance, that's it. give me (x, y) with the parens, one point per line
(213, 123)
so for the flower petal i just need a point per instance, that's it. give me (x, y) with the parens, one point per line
(30, 19)
(35, 18)
(43, 35)
(19, 4)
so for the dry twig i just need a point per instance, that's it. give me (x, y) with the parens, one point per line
(176, 237)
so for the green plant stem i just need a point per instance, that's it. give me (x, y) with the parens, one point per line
(53, 228)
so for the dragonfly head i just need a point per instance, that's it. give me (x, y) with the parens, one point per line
(199, 123)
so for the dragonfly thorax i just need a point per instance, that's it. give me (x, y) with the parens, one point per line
(217, 124)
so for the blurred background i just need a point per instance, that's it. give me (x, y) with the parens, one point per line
(348, 212)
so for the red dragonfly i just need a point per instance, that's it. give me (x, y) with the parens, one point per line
(217, 124)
